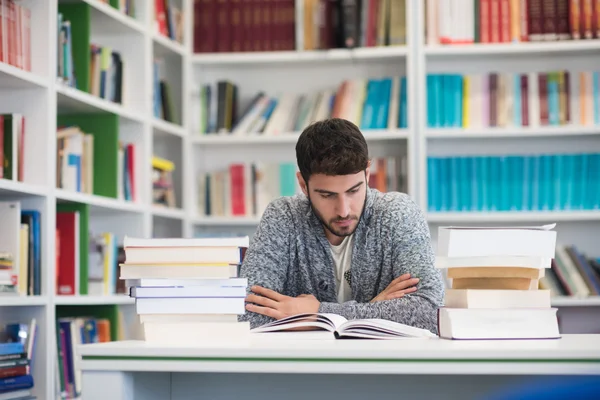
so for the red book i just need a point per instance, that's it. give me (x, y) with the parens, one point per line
(495, 16)
(524, 100)
(131, 168)
(505, 21)
(67, 224)
(485, 21)
(236, 172)
(536, 20)
(524, 23)
(543, 93)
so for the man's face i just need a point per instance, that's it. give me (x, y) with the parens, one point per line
(338, 201)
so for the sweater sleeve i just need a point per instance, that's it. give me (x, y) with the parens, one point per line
(412, 253)
(267, 259)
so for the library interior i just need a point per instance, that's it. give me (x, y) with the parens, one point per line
(471, 271)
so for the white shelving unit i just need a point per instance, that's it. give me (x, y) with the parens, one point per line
(40, 98)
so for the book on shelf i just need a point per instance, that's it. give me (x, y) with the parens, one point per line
(263, 25)
(163, 191)
(526, 182)
(187, 289)
(87, 262)
(94, 68)
(18, 342)
(74, 160)
(106, 73)
(169, 19)
(503, 99)
(12, 147)
(20, 250)
(71, 333)
(15, 34)
(163, 95)
(370, 103)
(454, 22)
(493, 276)
(572, 273)
(341, 328)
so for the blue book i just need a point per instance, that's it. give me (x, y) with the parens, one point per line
(432, 184)
(11, 348)
(517, 101)
(403, 113)
(457, 120)
(553, 99)
(16, 383)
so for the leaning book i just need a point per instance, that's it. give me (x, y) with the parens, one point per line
(343, 328)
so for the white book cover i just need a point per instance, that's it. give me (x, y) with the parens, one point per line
(10, 234)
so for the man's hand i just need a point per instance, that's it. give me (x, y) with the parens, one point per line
(397, 288)
(272, 304)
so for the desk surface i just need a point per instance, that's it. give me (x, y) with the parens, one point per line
(315, 352)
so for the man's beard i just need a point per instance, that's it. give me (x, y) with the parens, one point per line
(329, 225)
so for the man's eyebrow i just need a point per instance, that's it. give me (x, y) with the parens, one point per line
(328, 192)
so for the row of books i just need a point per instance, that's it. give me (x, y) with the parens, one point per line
(192, 293)
(376, 103)
(93, 272)
(20, 250)
(510, 21)
(168, 19)
(269, 25)
(245, 189)
(106, 73)
(74, 160)
(15, 34)
(236, 25)
(18, 343)
(70, 333)
(539, 182)
(163, 97)
(333, 24)
(12, 146)
(572, 273)
(493, 279)
(511, 99)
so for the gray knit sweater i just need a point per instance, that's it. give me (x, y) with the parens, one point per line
(289, 253)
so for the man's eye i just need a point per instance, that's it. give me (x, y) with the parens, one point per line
(326, 196)
(354, 191)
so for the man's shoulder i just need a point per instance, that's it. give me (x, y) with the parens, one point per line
(286, 208)
(394, 205)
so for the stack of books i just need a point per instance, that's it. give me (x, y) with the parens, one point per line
(187, 290)
(493, 276)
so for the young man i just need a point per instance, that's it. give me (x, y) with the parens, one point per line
(341, 247)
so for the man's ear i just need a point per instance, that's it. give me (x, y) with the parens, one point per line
(302, 183)
(368, 172)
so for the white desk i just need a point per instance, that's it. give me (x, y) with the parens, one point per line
(306, 365)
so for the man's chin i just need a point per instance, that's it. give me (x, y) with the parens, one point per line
(342, 231)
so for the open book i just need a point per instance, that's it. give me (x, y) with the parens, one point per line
(343, 328)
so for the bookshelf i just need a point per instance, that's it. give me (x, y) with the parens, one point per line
(45, 101)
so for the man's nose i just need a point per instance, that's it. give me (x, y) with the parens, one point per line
(343, 207)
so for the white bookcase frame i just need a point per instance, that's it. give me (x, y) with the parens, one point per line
(40, 97)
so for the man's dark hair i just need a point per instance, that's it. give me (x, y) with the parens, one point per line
(332, 147)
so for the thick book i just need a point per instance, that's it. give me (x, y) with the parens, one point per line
(346, 329)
